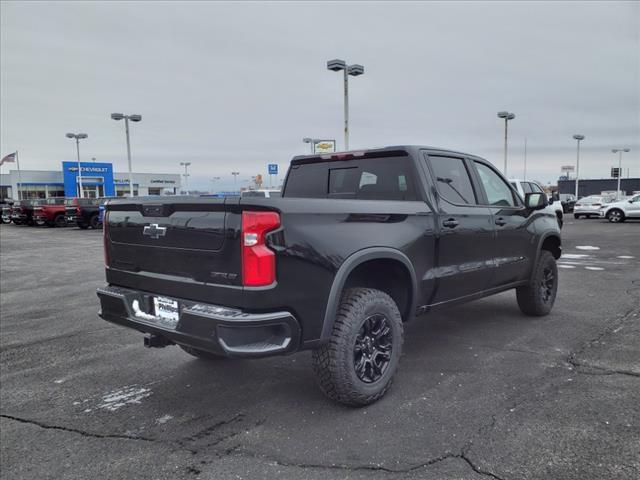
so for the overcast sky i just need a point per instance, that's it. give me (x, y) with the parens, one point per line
(232, 86)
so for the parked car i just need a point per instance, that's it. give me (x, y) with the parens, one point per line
(590, 206)
(22, 211)
(264, 193)
(617, 212)
(360, 243)
(6, 205)
(568, 204)
(50, 212)
(84, 212)
(527, 186)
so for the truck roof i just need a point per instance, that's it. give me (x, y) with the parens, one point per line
(393, 149)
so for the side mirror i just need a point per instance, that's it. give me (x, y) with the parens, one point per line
(631, 201)
(535, 201)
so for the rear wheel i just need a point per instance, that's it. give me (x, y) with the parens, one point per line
(60, 221)
(202, 354)
(537, 297)
(83, 226)
(576, 215)
(94, 222)
(356, 367)
(615, 215)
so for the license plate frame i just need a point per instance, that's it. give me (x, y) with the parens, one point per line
(167, 311)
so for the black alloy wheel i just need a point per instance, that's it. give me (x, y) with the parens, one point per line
(373, 348)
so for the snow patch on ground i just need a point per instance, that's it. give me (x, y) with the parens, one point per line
(566, 266)
(587, 247)
(164, 419)
(626, 256)
(575, 255)
(128, 395)
(594, 268)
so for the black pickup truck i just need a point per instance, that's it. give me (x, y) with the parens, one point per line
(359, 243)
(83, 212)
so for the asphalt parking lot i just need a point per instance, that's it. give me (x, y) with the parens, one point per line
(482, 391)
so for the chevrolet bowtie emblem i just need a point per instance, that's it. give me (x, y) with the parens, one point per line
(154, 231)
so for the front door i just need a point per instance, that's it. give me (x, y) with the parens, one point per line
(466, 231)
(514, 248)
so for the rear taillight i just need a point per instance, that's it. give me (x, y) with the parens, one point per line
(258, 261)
(105, 239)
(78, 210)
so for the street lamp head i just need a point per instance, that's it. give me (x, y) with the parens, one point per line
(71, 135)
(336, 65)
(135, 118)
(511, 116)
(503, 114)
(117, 116)
(82, 135)
(578, 137)
(186, 164)
(355, 70)
(626, 150)
(307, 140)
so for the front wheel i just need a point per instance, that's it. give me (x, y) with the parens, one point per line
(357, 365)
(538, 296)
(60, 221)
(94, 222)
(576, 216)
(615, 216)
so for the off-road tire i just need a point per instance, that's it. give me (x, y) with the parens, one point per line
(537, 297)
(334, 362)
(201, 354)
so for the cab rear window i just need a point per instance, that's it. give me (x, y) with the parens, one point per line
(386, 178)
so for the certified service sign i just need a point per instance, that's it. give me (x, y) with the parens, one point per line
(324, 146)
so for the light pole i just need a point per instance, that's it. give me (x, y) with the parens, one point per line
(353, 70)
(579, 138)
(312, 141)
(133, 118)
(620, 150)
(213, 182)
(78, 137)
(235, 176)
(186, 175)
(507, 116)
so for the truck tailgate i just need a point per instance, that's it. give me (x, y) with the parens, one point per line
(180, 246)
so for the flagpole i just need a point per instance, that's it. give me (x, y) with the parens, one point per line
(19, 176)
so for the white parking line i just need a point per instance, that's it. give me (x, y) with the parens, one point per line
(587, 247)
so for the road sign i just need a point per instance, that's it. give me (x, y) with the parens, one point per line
(615, 172)
(273, 169)
(567, 168)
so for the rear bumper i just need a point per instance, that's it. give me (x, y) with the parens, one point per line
(221, 330)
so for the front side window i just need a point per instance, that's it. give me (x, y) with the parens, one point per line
(497, 190)
(452, 180)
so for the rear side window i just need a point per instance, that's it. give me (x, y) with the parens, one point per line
(452, 180)
(364, 179)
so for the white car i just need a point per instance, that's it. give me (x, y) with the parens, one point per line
(527, 186)
(264, 193)
(619, 211)
(590, 206)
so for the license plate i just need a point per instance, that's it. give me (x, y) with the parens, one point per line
(166, 311)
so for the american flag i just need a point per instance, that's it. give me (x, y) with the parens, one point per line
(9, 158)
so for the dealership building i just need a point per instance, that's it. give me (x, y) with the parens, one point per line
(98, 180)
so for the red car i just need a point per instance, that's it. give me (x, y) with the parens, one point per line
(50, 212)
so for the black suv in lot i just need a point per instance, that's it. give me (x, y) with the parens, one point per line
(83, 212)
(359, 244)
(22, 211)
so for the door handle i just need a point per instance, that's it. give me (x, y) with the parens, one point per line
(501, 221)
(450, 223)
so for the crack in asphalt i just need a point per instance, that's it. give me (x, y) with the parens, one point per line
(588, 369)
(78, 431)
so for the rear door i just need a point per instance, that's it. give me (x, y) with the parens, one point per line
(466, 231)
(513, 247)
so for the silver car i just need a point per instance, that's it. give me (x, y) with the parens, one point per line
(590, 206)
